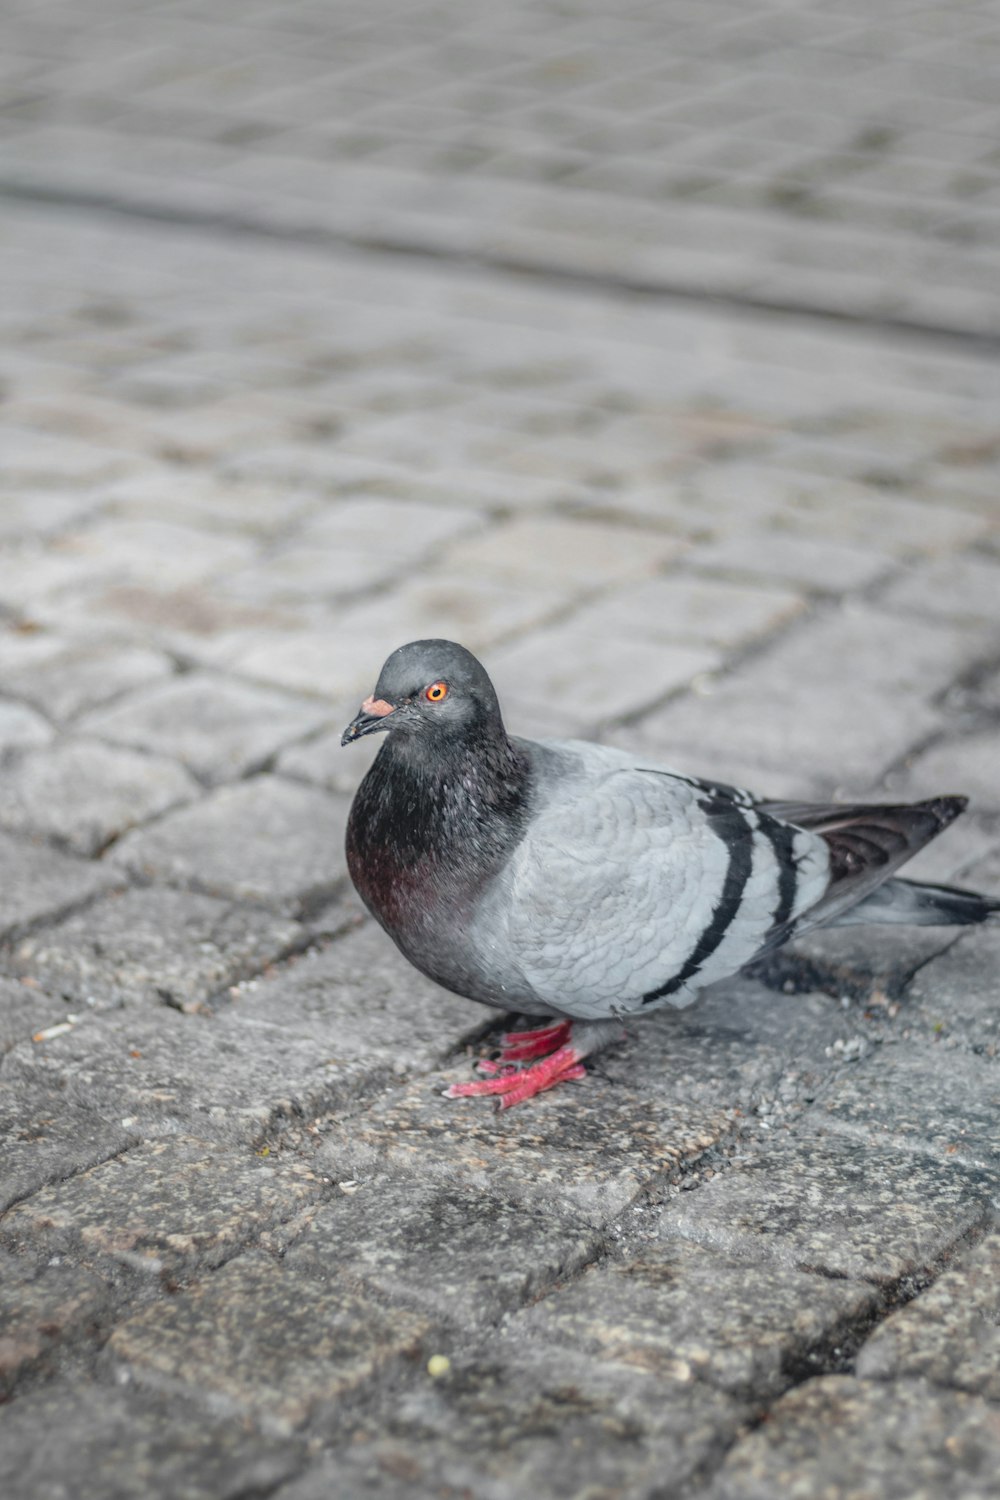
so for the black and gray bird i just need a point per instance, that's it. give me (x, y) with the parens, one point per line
(579, 883)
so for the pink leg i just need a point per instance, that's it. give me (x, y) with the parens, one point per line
(572, 1041)
(515, 1086)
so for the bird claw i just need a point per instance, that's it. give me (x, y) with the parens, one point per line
(514, 1085)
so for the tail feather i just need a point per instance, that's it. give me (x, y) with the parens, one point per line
(920, 905)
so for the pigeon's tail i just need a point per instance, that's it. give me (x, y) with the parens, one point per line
(921, 905)
(867, 843)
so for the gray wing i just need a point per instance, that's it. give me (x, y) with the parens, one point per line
(635, 887)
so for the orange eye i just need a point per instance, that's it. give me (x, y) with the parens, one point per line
(436, 692)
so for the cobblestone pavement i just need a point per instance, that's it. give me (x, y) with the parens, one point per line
(246, 1248)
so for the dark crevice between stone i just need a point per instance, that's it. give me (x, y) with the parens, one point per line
(232, 223)
(835, 1352)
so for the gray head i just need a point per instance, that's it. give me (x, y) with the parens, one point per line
(429, 688)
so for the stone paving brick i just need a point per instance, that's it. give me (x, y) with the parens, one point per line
(118, 551)
(956, 993)
(780, 711)
(531, 1419)
(26, 1009)
(358, 998)
(85, 794)
(839, 1436)
(215, 1341)
(21, 727)
(776, 557)
(265, 840)
(147, 946)
(950, 1334)
(845, 1209)
(587, 1150)
(565, 679)
(956, 588)
(97, 1442)
(48, 1137)
(62, 679)
(38, 883)
(456, 1252)
(919, 1094)
(563, 554)
(968, 764)
(217, 1076)
(40, 1308)
(702, 611)
(168, 1206)
(684, 1311)
(218, 728)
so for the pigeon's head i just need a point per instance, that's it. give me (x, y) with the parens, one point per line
(429, 688)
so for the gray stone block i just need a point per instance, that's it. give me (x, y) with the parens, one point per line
(588, 1147)
(525, 1418)
(839, 1436)
(265, 840)
(782, 709)
(48, 1137)
(218, 1076)
(21, 728)
(218, 728)
(922, 1096)
(84, 794)
(150, 946)
(836, 1206)
(96, 1442)
(949, 1334)
(956, 994)
(455, 1251)
(40, 1310)
(357, 999)
(686, 1312)
(164, 1208)
(25, 1010)
(63, 678)
(215, 1341)
(37, 883)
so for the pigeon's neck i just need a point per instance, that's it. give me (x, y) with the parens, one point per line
(432, 822)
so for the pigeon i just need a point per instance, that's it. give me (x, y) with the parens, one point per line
(581, 884)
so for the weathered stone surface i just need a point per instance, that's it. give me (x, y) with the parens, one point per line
(38, 883)
(456, 1251)
(957, 588)
(686, 1312)
(357, 998)
(780, 709)
(218, 1076)
(150, 945)
(957, 993)
(21, 727)
(524, 1418)
(844, 1437)
(39, 1308)
(921, 1095)
(266, 840)
(62, 678)
(561, 554)
(589, 1149)
(48, 1137)
(85, 794)
(949, 1334)
(218, 728)
(96, 1442)
(26, 1009)
(839, 1207)
(167, 1206)
(216, 1341)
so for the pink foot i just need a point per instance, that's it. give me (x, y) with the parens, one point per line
(514, 1086)
(519, 1046)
